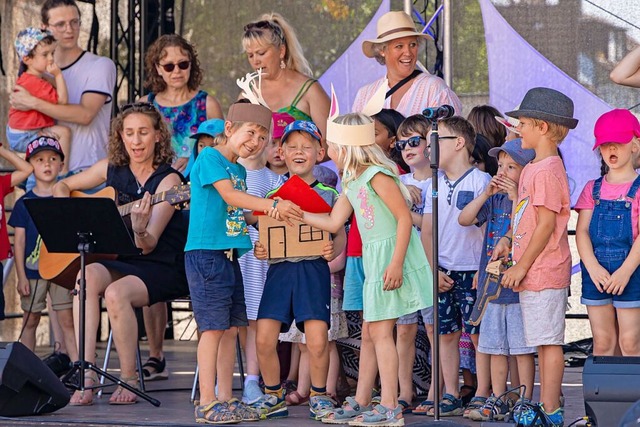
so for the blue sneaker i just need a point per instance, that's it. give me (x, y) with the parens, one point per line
(320, 406)
(528, 414)
(272, 405)
(252, 392)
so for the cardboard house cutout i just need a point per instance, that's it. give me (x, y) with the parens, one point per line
(297, 240)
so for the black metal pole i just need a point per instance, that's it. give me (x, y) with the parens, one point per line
(434, 156)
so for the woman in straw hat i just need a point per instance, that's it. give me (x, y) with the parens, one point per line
(287, 85)
(396, 47)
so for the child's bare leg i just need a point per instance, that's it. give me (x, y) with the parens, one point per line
(58, 337)
(406, 347)
(514, 375)
(266, 342)
(450, 361)
(225, 363)
(65, 320)
(63, 135)
(387, 358)
(602, 319)
(499, 371)
(294, 364)
(208, 347)
(551, 362)
(526, 372)
(334, 370)
(304, 376)
(30, 323)
(316, 332)
(483, 370)
(628, 321)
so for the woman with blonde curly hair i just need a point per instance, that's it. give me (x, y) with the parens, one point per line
(288, 85)
(173, 77)
(138, 165)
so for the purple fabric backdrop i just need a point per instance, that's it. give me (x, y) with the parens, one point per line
(515, 67)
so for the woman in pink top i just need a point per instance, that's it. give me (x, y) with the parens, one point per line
(396, 47)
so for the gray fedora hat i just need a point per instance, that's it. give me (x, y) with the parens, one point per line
(548, 105)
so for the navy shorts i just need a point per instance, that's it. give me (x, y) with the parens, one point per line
(297, 290)
(455, 305)
(217, 292)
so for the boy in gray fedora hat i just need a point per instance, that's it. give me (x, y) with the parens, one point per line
(540, 248)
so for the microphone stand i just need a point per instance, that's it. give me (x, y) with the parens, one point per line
(434, 156)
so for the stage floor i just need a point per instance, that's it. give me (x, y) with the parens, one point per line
(177, 410)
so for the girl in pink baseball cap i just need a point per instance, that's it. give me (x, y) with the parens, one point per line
(606, 236)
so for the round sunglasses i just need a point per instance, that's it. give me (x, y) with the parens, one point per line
(414, 141)
(183, 65)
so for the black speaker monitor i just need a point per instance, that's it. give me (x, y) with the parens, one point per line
(27, 385)
(611, 385)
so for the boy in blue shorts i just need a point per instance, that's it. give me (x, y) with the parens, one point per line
(460, 249)
(298, 289)
(501, 330)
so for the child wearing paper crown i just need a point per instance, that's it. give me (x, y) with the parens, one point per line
(298, 288)
(542, 259)
(217, 236)
(35, 49)
(607, 241)
(397, 273)
(501, 330)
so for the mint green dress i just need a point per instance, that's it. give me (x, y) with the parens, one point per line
(377, 227)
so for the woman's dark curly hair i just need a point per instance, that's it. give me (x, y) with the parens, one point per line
(154, 81)
(163, 151)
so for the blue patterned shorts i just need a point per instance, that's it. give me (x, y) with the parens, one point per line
(456, 304)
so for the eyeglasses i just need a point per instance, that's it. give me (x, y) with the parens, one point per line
(138, 106)
(265, 25)
(414, 141)
(183, 65)
(74, 24)
(448, 137)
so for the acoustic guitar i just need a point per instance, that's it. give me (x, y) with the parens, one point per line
(62, 268)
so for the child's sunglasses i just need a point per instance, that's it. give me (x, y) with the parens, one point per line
(183, 65)
(414, 141)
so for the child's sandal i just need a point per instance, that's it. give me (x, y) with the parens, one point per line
(216, 412)
(380, 416)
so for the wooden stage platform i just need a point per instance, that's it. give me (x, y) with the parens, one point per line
(177, 410)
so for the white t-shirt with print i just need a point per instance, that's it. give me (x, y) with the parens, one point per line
(459, 247)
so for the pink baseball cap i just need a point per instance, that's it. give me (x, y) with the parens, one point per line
(618, 126)
(280, 121)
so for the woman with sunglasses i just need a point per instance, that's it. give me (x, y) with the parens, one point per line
(271, 44)
(173, 76)
(138, 165)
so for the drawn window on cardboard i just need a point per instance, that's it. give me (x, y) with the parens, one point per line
(299, 240)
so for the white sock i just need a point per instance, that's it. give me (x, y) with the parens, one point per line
(255, 378)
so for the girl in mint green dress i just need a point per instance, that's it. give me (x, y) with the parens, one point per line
(397, 274)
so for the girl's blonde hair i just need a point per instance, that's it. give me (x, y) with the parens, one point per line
(273, 29)
(354, 157)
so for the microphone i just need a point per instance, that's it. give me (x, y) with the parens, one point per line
(437, 113)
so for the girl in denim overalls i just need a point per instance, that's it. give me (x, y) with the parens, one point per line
(606, 236)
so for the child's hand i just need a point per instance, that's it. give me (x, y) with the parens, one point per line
(507, 185)
(288, 210)
(618, 282)
(501, 249)
(259, 251)
(53, 69)
(328, 252)
(474, 283)
(392, 277)
(445, 283)
(24, 287)
(493, 187)
(600, 277)
(416, 195)
(512, 277)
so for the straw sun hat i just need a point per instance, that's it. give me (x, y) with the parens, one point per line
(391, 26)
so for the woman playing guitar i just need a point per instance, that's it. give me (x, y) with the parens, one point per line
(138, 165)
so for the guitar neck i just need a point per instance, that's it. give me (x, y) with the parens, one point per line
(155, 199)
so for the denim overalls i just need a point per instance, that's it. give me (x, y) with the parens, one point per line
(611, 235)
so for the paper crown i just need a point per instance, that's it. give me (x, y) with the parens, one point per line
(257, 111)
(355, 135)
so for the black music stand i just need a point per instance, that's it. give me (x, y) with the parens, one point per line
(84, 225)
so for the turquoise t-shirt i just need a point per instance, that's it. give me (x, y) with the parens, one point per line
(213, 224)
